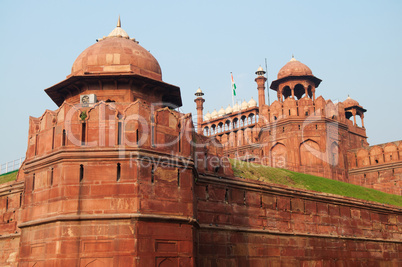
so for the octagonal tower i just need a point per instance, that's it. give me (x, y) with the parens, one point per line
(109, 174)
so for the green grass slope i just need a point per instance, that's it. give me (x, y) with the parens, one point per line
(310, 182)
(7, 177)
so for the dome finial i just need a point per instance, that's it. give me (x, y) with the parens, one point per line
(119, 23)
(293, 58)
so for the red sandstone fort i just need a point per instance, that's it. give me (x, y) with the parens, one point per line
(116, 176)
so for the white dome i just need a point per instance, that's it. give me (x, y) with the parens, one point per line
(252, 103)
(221, 112)
(229, 110)
(207, 116)
(214, 114)
(244, 105)
(118, 31)
(236, 108)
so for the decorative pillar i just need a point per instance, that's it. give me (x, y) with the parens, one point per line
(200, 106)
(362, 118)
(260, 80)
(313, 91)
(354, 116)
(293, 92)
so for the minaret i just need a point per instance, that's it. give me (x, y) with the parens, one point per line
(261, 87)
(199, 101)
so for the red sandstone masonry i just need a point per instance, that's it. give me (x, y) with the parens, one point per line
(293, 227)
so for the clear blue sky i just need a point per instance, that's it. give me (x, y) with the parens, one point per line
(353, 46)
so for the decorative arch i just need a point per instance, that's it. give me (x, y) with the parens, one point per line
(235, 123)
(243, 121)
(96, 263)
(167, 263)
(228, 125)
(252, 118)
(363, 158)
(299, 91)
(213, 128)
(286, 91)
(206, 131)
(376, 155)
(278, 155)
(390, 152)
(220, 127)
(310, 153)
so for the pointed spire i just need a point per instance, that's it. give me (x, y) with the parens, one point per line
(119, 23)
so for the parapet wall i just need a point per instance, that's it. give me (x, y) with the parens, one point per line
(250, 223)
(378, 167)
(10, 206)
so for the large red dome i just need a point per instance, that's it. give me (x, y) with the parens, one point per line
(294, 68)
(117, 54)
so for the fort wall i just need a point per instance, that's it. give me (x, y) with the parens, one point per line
(252, 224)
(378, 167)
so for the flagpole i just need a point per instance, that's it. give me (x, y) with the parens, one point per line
(231, 88)
(266, 73)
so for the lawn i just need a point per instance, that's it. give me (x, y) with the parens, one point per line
(310, 182)
(7, 177)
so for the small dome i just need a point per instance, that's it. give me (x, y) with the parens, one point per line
(349, 102)
(294, 68)
(244, 105)
(117, 53)
(214, 114)
(236, 108)
(199, 92)
(221, 112)
(260, 71)
(118, 31)
(229, 110)
(207, 116)
(252, 103)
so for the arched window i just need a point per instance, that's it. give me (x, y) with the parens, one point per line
(299, 91)
(220, 127)
(286, 92)
(235, 123)
(206, 131)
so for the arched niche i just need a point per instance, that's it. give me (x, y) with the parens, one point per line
(278, 156)
(310, 153)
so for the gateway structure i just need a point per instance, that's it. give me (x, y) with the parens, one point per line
(116, 177)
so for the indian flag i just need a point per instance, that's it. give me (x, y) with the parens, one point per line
(233, 85)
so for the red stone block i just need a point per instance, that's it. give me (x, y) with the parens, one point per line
(297, 205)
(365, 215)
(283, 203)
(268, 201)
(310, 207)
(322, 208)
(355, 213)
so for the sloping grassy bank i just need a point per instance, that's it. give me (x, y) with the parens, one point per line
(7, 177)
(311, 182)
